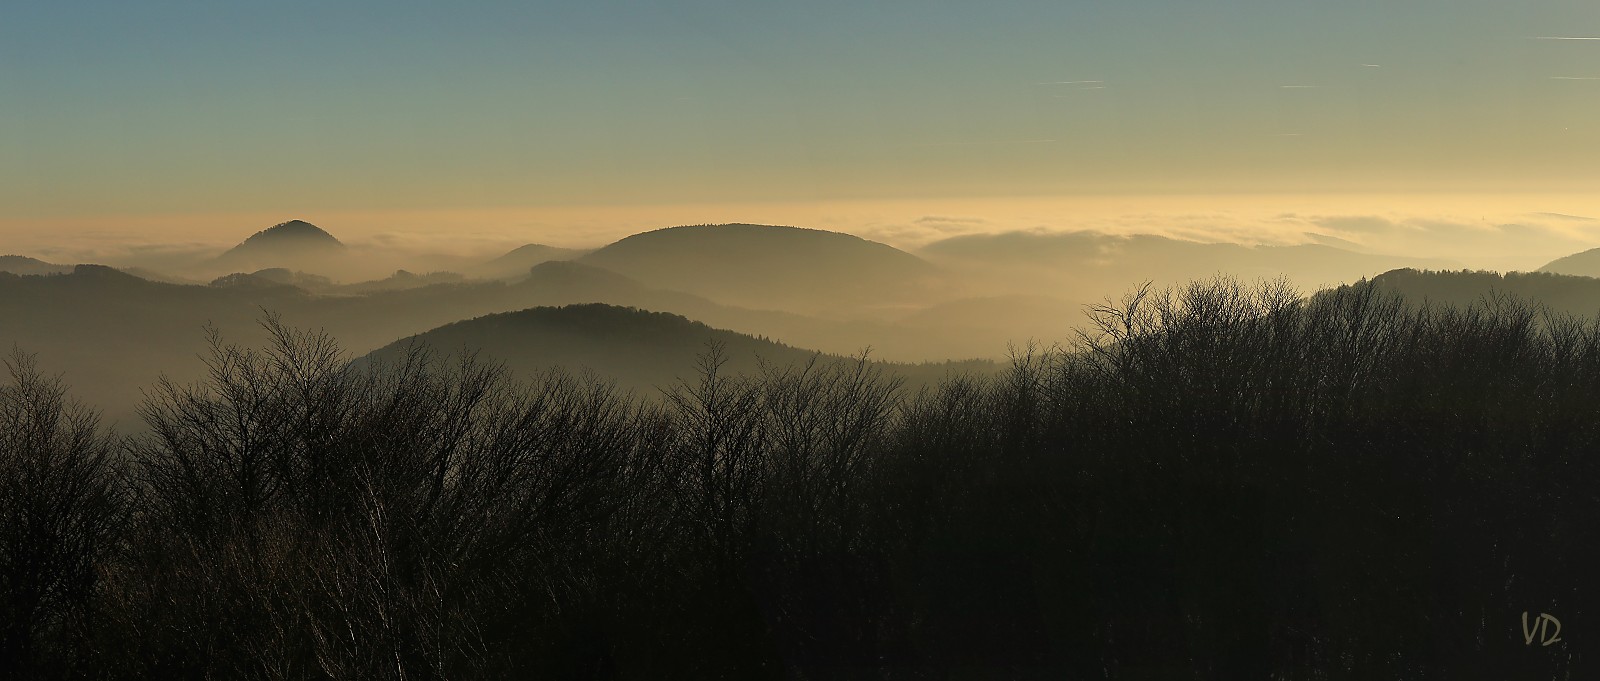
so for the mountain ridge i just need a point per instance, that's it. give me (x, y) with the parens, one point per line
(294, 244)
(770, 266)
(24, 265)
(1581, 264)
(640, 349)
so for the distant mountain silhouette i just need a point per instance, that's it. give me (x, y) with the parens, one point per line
(1560, 293)
(99, 275)
(639, 349)
(289, 236)
(21, 264)
(1087, 265)
(939, 333)
(575, 277)
(248, 281)
(275, 276)
(294, 244)
(770, 267)
(567, 282)
(517, 262)
(113, 333)
(1584, 264)
(279, 275)
(1336, 242)
(399, 281)
(562, 282)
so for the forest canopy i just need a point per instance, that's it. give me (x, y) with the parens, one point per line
(1215, 480)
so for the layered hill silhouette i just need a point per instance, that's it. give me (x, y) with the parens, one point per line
(516, 263)
(771, 267)
(640, 350)
(273, 276)
(1557, 293)
(1087, 265)
(247, 281)
(636, 348)
(1583, 264)
(295, 244)
(113, 333)
(21, 264)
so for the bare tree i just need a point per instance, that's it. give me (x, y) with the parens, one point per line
(62, 503)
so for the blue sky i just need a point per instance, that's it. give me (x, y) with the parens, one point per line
(171, 107)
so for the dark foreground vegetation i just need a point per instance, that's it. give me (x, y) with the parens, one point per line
(1224, 482)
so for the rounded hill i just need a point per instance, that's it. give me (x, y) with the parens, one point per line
(292, 233)
(24, 265)
(517, 262)
(639, 349)
(1584, 264)
(295, 243)
(768, 266)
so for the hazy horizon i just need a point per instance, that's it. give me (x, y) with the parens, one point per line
(1023, 339)
(420, 127)
(1495, 232)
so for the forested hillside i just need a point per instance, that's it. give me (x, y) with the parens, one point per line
(1217, 481)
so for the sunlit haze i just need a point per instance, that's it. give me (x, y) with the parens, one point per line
(861, 340)
(505, 123)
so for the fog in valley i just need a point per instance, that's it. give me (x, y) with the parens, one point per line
(872, 341)
(972, 299)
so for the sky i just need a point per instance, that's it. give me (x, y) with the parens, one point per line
(516, 121)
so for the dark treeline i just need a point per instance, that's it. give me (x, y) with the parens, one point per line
(1220, 481)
